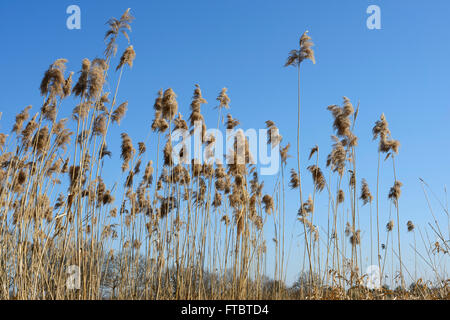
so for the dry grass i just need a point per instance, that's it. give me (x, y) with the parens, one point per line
(178, 231)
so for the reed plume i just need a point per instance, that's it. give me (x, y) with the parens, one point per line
(390, 225)
(53, 82)
(366, 196)
(273, 137)
(336, 159)
(2, 140)
(117, 26)
(284, 153)
(127, 57)
(119, 113)
(340, 196)
(223, 99)
(395, 191)
(127, 151)
(268, 204)
(410, 226)
(318, 178)
(231, 123)
(294, 182)
(169, 104)
(305, 51)
(20, 119)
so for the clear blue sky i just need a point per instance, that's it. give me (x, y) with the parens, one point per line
(401, 70)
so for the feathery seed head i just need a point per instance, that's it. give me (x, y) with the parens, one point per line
(284, 153)
(95, 81)
(306, 208)
(390, 225)
(231, 123)
(99, 128)
(2, 140)
(395, 191)
(314, 150)
(268, 204)
(53, 81)
(169, 104)
(119, 113)
(20, 119)
(80, 87)
(381, 128)
(295, 180)
(127, 57)
(340, 196)
(355, 239)
(67, 89)
(366, 196)
(127, 151)
(304, 52)
(337, 157)
(223, 99)
(410, 226)
(318, 177)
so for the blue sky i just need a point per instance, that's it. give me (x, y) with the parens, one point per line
(401, 70)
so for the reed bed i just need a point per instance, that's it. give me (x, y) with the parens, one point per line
(188, 231)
